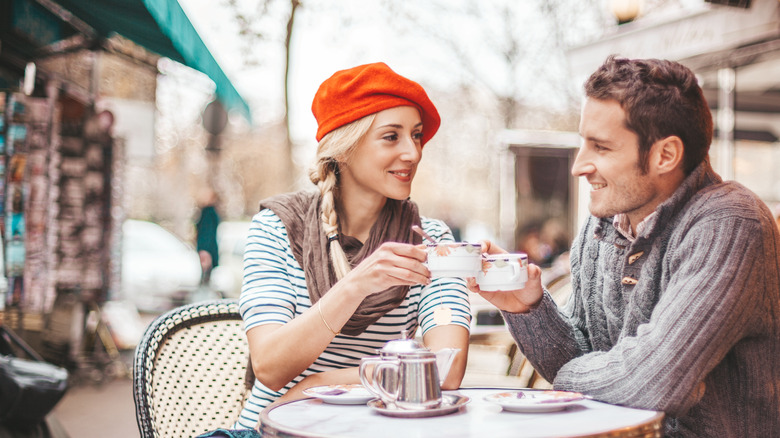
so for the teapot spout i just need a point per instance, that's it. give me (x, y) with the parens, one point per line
(444, 359)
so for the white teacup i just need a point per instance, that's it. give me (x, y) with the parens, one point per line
(455, 259)
(503, 272)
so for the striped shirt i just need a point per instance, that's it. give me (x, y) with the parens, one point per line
(274, 292)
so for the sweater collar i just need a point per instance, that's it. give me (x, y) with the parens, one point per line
(701, 177)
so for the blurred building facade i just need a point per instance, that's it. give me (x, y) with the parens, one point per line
(77, 101)
(732, 46)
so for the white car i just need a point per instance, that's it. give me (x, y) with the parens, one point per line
(159, 270)
(227, 277)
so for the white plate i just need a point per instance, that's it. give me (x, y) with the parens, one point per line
(534, 400)
(449, 403)
(348, 394)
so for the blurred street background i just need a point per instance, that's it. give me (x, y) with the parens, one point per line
(137, 138)
(99, 410)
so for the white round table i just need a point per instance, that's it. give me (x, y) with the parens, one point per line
(478, 418)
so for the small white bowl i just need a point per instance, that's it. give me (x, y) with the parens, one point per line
(456, 259)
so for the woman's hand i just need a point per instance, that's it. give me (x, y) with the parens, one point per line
(392, 264)
(515, 301)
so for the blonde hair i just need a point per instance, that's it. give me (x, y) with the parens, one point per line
(336, 147)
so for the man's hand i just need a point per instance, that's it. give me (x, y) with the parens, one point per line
(515, 301)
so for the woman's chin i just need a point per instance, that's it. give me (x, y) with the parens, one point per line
(400, 197)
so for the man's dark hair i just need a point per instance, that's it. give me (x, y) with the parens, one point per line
(660, 98)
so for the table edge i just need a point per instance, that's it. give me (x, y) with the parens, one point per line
(281, 431)
(654, 423)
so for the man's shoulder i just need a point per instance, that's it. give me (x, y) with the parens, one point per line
(728, 198)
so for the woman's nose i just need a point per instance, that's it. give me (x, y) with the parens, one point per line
(412, 150)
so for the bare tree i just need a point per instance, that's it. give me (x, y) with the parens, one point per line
(258, 25)
(514, 50)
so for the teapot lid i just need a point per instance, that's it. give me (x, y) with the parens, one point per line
(403, 345)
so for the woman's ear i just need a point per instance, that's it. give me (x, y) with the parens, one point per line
(668, 154)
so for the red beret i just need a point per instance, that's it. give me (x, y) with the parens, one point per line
(354, 93)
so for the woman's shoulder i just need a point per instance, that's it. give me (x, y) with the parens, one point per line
(267, 221)
(266, 216)
(267, 231)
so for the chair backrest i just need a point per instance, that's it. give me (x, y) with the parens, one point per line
(188, 370)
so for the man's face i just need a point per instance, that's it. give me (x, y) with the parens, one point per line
(609, 160)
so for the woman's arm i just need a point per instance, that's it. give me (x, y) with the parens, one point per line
(448, 297)
(282, 348)
(280, 352)
(341, 376)
(450, 336)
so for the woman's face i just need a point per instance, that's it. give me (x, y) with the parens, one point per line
(383, 164)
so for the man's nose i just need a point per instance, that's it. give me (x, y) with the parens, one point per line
(582, 164)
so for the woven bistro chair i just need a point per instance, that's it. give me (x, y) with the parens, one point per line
(189, 370)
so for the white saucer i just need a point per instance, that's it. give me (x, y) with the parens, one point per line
(529, 400)
(348, 394)
(450, 403)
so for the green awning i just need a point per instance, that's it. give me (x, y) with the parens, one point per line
(162, 27)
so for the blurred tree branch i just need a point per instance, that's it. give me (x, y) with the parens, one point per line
(522, 44)
(257, 25)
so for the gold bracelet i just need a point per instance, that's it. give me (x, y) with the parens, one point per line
(319, 307)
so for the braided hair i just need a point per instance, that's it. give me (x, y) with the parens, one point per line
(336, 148)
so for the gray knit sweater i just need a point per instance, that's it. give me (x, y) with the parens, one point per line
(697, 335)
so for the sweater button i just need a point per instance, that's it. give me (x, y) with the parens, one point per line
(629, 281)
(634, 257)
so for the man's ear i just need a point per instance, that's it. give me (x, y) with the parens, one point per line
(667, 154)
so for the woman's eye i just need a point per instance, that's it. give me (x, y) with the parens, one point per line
(391, 137)
(417, 135)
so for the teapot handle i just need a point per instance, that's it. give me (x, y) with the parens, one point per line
(371, 386)
(387, 396)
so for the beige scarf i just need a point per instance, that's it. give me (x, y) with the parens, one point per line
(300, 213)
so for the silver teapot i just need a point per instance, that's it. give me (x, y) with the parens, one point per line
(407, 375)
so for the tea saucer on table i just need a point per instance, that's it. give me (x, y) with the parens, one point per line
(450, 403)
(535, 400)
(348, 394)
